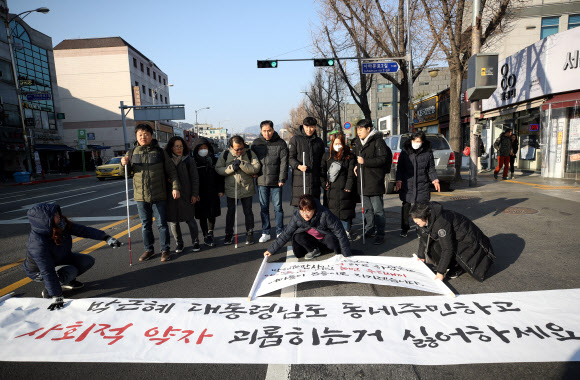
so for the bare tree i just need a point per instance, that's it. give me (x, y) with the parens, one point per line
(297, 115)
(321, 104)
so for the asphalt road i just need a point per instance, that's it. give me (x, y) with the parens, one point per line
(535, 252)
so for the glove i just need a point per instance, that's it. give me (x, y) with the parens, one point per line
(236, 164)
(114, 242)
(57, 303)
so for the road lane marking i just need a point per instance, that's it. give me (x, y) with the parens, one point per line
(6, 267)
(48, 195)
(90, 200)
(37, 189)
(16, 285)
(124, 220)
(29, 206)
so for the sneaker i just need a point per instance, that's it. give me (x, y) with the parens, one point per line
(73, 285)
(403, 234)
(229, 239)
(495, 175)
(208, 240)
(455, 272)
(45, 293)
(249, 238)
(264, 238)
(379, 240)
(348, 236)
(512, 176)
(179, 248)
(504, 178)
(165, 256)
(146, 256)
(313, 254)
(196, 247)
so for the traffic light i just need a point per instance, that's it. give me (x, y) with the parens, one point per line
(324, 62)
(267, 64)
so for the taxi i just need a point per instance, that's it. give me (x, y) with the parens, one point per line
(112, 169)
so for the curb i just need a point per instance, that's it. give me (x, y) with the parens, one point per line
(47, 180)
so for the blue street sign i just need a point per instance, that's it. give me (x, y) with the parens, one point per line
(346, 125)
(33, 97)
(380, 67)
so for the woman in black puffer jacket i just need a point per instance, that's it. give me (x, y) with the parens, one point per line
(415, 171)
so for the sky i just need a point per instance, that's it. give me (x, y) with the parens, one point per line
(207, 48)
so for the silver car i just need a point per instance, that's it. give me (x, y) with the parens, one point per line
(444, 159)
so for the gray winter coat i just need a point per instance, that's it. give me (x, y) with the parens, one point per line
(273, 155)
(243, 176)
(181, 210)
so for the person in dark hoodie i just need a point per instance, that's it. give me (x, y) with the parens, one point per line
(49, 256)
(451, 242)
(211, 188)
(272, 153)
(503, 145)
(313, 228)
(415, 171)
(305, 143)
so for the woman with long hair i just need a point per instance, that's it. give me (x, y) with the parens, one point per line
(182, 209)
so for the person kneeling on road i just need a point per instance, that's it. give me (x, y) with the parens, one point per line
(451, 242)
(312, 228)
(49, 257)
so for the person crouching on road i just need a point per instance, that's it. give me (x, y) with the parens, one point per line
(151, 166)
(451, 242)
(313, 228)
(238, 165)
(183, 209)
(49, 256)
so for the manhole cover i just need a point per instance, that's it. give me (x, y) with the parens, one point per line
(461, 198)
(519, 210)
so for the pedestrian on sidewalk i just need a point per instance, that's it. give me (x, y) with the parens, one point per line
(415, 172)
(374, 157)
(451, 242)
(503, 145)
(183, 209)
(340, 182)
(513, 153)
(239, 164)
(49, 256)
(305, 156)
(314, 230)
(152, 169)
(272, 153)
(211, 188)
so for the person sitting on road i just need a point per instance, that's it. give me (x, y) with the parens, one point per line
(451, 242)
(312, 228)
(49, 256)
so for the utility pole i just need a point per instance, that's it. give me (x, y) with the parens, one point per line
(473, 141)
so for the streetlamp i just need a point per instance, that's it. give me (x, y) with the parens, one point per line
(16, 79)
(196, 111)
(155, 97)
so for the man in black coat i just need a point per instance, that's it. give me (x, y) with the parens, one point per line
(305, 155)
(272, 153)
(374, 158)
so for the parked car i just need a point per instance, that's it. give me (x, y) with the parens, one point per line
(112, 169)
(444, 159)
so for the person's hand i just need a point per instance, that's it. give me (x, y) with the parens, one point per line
(439, 276)
(398, 185)
(280, 184)
(360, 160)
(124, 160)
(220, 194)
(112, 242)
(236, 164)
(176, 194)
(347, 190)
(193, 199)
(437, 185)
(57, 303)
(302, 168)
(267, 254)
(355, 173)
(326, 186)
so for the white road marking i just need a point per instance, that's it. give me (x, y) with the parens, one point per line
(132, 202)
(48, 195)
(78, 219)
(29, 206)
(36, 189)
(90, 200)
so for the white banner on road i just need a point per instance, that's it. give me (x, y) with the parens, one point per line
(541, 326)
(407, 272)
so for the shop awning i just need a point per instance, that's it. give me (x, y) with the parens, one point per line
(517, 108)
(53, 147)
(99, 147)
(570, 99)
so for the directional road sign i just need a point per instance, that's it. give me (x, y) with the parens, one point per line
(380, 67)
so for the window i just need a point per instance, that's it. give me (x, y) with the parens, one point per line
(136, 83)
(383, 105)
(135, 62)
(573, 21)
(166, 100)
(382, 86)
(156, 96)
(150, 93)
(159, 76)
(549, 26)
(148, 72)
(142, 67)
(164, 82)
(143, 87)
(154, 75)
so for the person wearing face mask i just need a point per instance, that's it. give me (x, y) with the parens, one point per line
(211, 188)
(49, 256)
(339, 181)
(415, 171)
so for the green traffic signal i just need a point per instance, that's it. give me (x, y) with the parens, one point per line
(267, 64)
(324, 62)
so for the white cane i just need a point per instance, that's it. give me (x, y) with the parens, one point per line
(362, 202)
(128, 221)
(304, 172)
(236, 207)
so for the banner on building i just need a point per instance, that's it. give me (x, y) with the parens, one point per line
(407, 272)
(540, 326)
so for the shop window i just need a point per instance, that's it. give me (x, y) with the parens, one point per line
(573, 21)
(549, 26)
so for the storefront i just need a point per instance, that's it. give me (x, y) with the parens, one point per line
(537, 97)
(425, 115)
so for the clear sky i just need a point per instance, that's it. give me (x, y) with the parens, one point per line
(207, 48)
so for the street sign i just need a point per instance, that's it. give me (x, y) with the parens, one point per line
(33, 97)
(575, 157)
(380, 67)
(82, 133)
(346, 125)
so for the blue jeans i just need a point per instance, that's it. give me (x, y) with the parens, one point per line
(346, 224)
(146, 212)
(75, 265)
(265, 193)
(374, 214)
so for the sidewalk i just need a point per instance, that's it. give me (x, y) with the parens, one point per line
(520, 177)
(48, 178)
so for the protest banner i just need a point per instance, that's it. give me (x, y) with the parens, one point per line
(407, 272)
(536, 326)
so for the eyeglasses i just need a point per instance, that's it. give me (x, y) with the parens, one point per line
(239, 150)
